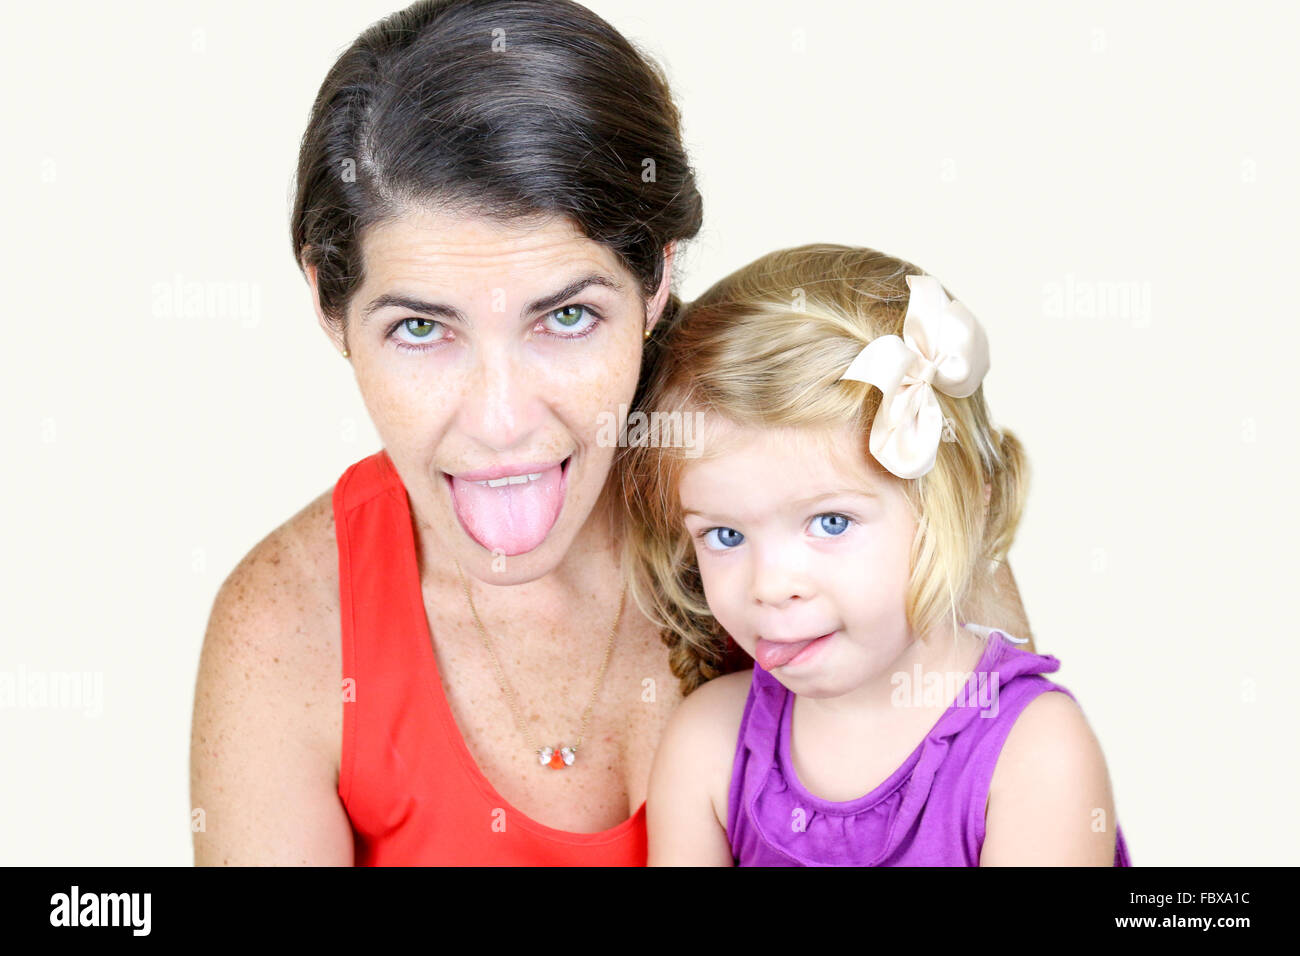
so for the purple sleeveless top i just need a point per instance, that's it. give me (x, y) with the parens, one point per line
(930, 812)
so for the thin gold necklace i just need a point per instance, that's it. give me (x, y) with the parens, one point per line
(559, 756)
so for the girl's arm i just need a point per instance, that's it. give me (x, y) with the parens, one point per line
(1050, 801)
(686, 806)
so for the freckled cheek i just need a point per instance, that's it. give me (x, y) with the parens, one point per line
(599, 384)
(407, 408)
(612, 361)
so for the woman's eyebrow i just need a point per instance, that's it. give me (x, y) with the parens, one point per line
(544, 304)
(411, 304)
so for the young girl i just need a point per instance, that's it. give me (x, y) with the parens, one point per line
(835, 510)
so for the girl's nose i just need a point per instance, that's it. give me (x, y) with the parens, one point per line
(778, 577)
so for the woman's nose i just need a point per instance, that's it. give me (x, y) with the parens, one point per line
(498, 407)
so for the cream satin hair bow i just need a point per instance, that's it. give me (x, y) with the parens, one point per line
(942, 347)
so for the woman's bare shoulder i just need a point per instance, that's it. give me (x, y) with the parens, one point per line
(277, 614)
(267, 727)
(291, 575)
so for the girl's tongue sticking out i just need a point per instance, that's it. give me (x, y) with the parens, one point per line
(772, 654)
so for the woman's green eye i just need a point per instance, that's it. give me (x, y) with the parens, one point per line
(569, 316)
(409, 331)
(570, 322)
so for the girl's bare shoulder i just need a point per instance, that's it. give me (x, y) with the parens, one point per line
(699, 744)
(722, 695)
(709, 717)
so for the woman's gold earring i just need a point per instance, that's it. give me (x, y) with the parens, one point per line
(646, 337)
(346, 353)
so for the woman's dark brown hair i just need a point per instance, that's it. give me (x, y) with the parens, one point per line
(500, 108)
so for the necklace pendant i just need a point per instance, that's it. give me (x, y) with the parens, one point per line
(557, 758)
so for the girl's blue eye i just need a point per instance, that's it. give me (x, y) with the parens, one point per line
(726, 538)
(832, 524)
(420, 330)
(572, 317)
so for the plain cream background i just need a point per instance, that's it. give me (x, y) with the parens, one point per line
(1031, 156)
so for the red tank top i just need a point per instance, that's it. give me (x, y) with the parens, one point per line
(412, 790)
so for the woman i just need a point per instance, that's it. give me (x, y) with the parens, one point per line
(490, 194)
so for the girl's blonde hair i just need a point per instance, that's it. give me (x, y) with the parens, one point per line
(765, 348)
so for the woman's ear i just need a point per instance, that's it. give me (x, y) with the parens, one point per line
(655, 309)
(337, 340)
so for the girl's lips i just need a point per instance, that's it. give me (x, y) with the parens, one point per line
(770, 655)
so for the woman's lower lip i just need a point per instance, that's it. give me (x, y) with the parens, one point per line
(564, 470)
